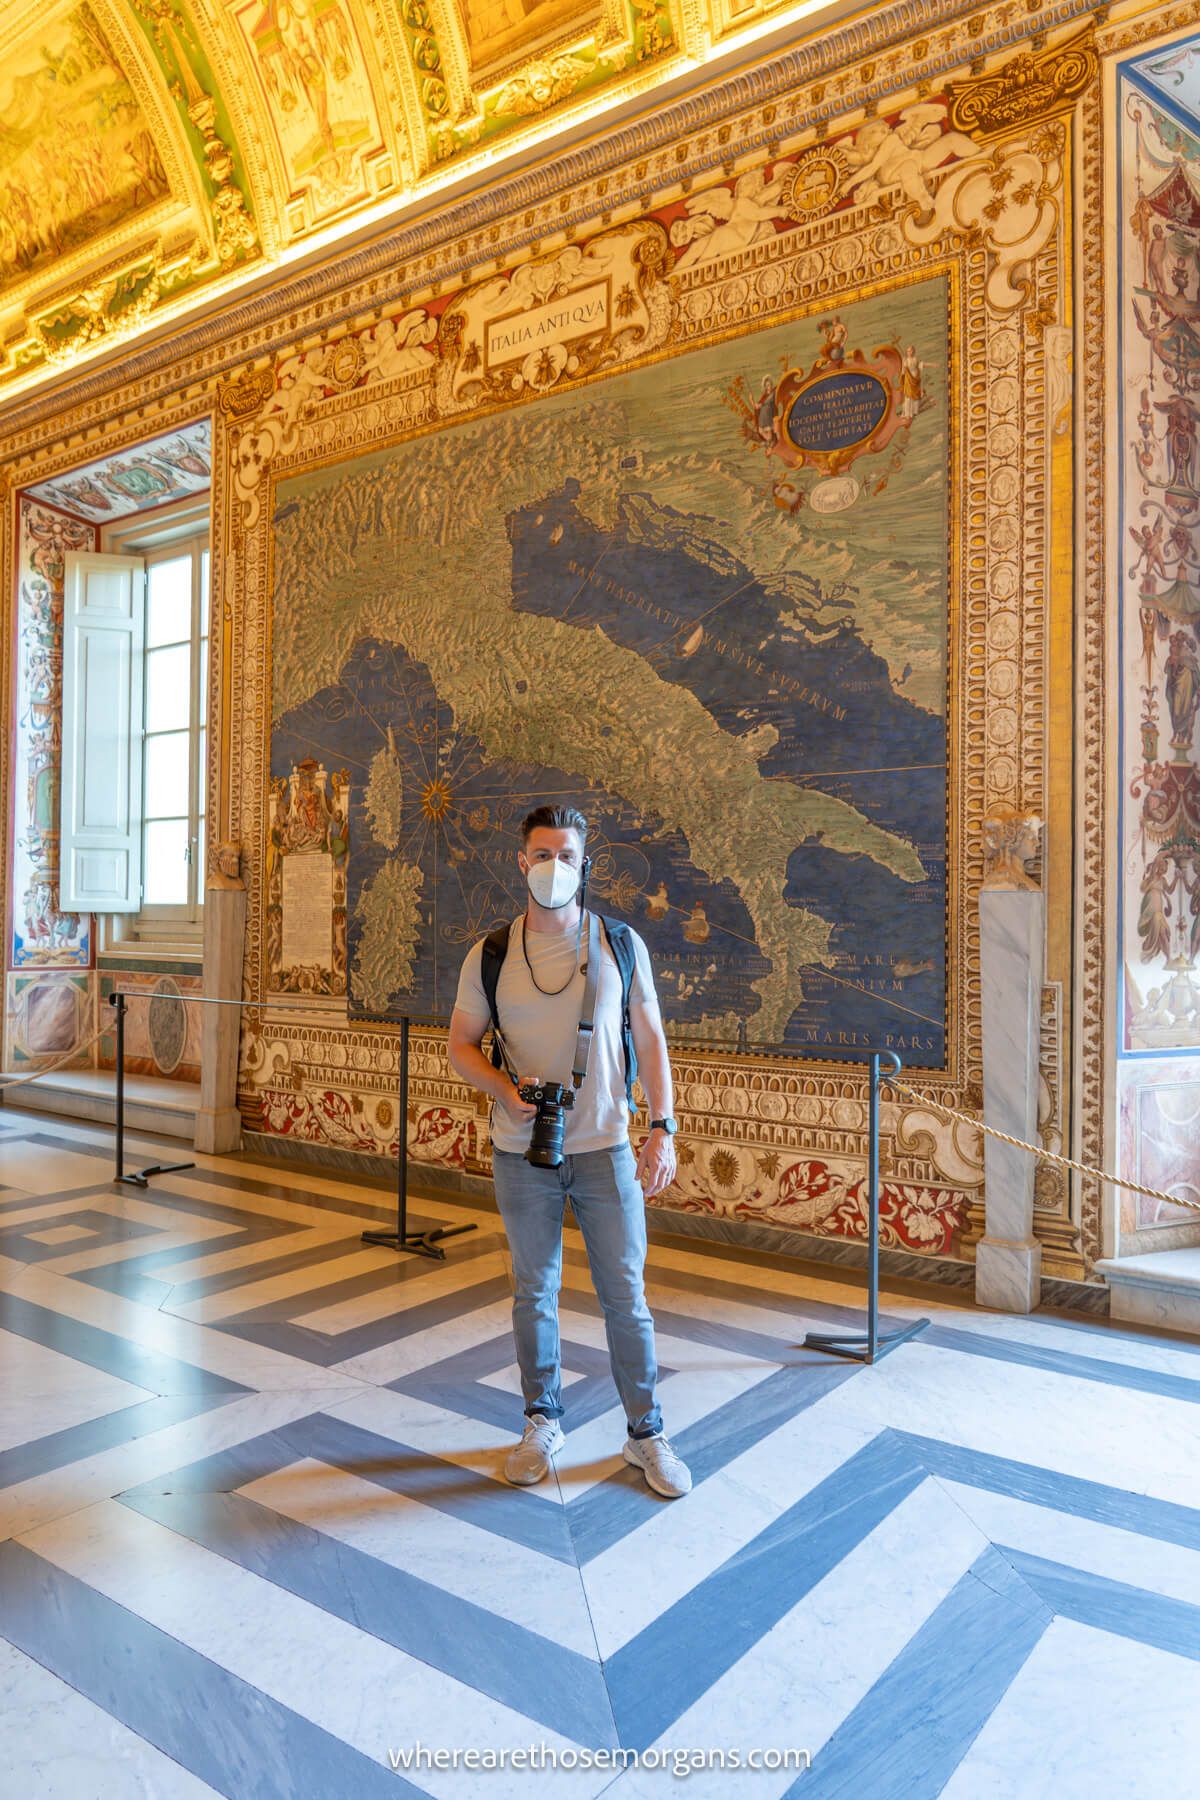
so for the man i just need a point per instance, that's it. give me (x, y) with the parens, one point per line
(539, 998)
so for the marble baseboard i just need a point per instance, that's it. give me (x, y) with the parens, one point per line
(453, 1187)
(1074, 1296)
(429, 1179)
(218, 1130)
(1173, 1312)
(1161, 1289)
(838, 1252)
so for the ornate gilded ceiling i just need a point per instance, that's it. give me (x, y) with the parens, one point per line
(156, 154)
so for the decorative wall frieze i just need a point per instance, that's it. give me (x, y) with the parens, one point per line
(559, 318)
(1008, 205)
(234, 236)
(806, 88)
(1093, 1027)
(781, 1149)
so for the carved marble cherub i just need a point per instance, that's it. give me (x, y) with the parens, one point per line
(1010, 839)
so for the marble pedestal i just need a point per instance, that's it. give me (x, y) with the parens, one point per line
(218, 1122)
(1012, 927)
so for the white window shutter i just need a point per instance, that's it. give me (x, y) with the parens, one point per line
(104, 624)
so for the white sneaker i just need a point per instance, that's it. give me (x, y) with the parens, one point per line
(661, 1464)
(529, 1460)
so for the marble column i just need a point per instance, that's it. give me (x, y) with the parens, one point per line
(218, 1122)
(1012, 929)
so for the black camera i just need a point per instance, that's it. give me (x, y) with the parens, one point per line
(552, 1100)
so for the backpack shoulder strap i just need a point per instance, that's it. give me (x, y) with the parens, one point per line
(620, 940)
(621, 945)
(495, 949)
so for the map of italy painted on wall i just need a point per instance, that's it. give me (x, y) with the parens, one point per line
(708, 602)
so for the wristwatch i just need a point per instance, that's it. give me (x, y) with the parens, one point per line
(667, 1125)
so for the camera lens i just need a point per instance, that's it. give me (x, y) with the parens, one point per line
(546, 1139)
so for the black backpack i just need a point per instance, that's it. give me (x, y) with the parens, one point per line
(620, 940)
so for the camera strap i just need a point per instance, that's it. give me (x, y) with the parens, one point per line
(587, 1015)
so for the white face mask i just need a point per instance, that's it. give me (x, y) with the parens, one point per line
(553, 883)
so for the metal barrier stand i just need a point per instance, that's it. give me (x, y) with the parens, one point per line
(870, 1346)
(418, 1243)
(141, 1177)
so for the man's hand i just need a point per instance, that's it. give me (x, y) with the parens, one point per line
(519, 1111)
(656, 1163)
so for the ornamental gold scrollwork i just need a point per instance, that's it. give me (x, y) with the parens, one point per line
(556, 319)
(254, 440)
(246, 393)
(111, 308)
(1030, 86)
(1006, 203)
(654, 32)
(234, 236)
(542, 85)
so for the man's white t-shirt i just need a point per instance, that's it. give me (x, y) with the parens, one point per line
(540, 1029)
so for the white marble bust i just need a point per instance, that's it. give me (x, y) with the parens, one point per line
(1010, 839)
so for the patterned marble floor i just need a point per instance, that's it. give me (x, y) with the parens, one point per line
(256, 1541)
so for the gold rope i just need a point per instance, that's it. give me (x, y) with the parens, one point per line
(1063, 1162)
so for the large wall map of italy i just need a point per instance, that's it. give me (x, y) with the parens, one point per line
(708, 602)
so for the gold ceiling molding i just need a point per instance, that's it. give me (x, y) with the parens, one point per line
(256, 193)
(161, 148)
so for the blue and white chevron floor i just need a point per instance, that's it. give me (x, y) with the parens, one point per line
(256, 1541)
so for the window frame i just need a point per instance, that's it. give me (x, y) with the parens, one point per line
(160, 928)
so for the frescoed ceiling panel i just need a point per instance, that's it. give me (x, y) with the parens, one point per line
(156, 153)
(313, 71)
(163, 469)
(77, 153)
(498, 32)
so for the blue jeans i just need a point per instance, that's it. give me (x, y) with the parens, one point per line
(610, 1209)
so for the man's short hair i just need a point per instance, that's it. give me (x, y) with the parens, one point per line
(554, 818)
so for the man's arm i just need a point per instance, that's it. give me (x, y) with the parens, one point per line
(656, 1159)
(466, 1057)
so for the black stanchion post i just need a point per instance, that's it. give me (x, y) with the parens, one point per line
(420, 1243)
(118, 1003)
(875, 1344)
(141, 1177)
(873, 1211)
(402, 1147)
